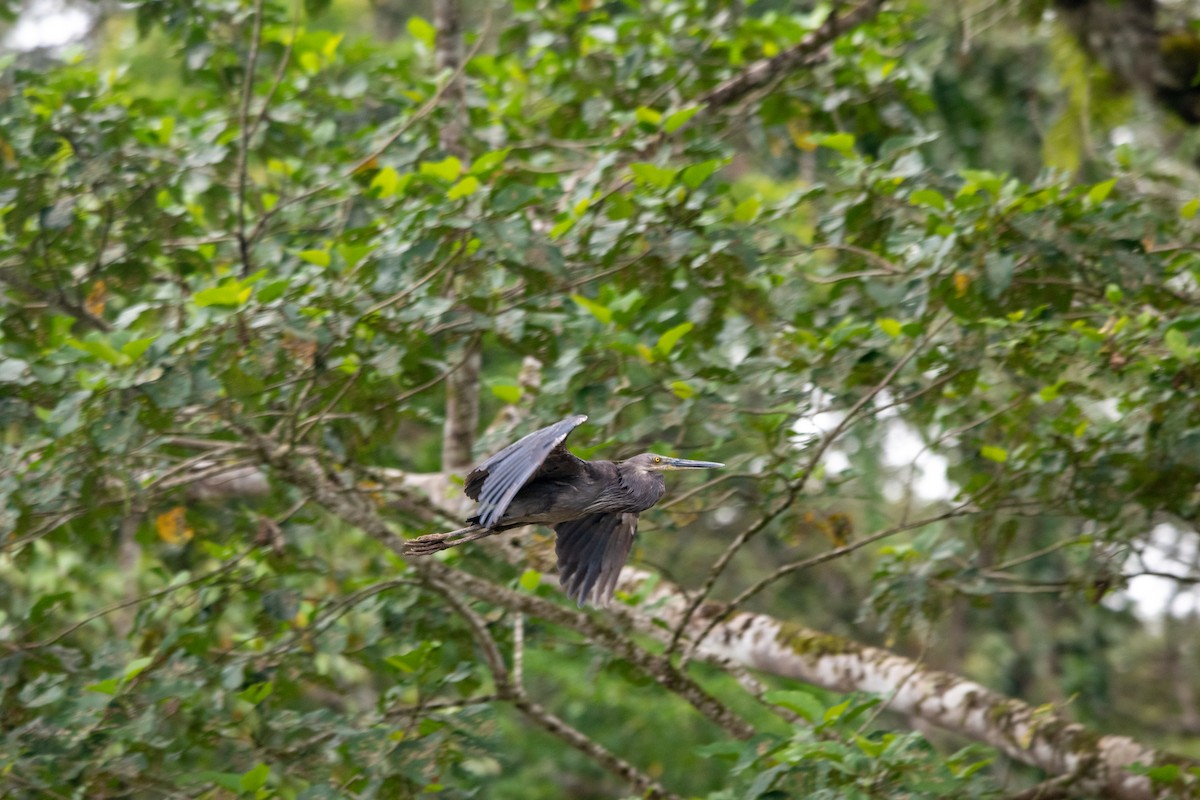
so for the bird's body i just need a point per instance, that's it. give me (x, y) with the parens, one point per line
(593, 506)
(592, 486)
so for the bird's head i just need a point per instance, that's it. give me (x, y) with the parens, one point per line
(652, 462)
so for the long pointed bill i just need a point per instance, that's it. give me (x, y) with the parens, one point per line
(683, 463)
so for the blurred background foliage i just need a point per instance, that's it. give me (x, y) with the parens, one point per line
(950, 266)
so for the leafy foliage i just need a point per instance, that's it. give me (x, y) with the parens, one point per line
(262, 240)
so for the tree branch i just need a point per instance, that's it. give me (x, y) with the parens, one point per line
(1039, 737)
(763, 72)
(508, 688)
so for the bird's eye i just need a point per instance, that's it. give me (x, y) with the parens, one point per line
(657, 460)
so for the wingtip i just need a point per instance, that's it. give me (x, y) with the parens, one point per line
(578, 419)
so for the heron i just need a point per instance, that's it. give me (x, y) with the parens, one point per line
(592, 506)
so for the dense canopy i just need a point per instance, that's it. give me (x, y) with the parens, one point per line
(274, 276)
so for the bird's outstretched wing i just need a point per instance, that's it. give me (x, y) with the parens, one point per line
(496, 481)
(591, 551)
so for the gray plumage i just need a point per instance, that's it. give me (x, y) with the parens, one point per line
(593, 506)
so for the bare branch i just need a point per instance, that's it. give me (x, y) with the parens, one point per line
(798, 484)
(767, 70)
(820, 558)
(244, 130)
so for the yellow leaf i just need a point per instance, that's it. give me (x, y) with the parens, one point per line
(961, 281)
(993, 453)
(172, 526)
(801, 136)
(682, 389)
(96, 299)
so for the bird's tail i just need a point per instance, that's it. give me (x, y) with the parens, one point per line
(435, 542)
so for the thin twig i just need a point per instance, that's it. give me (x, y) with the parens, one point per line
(797, 566)
(244, 127)
(796, 486)
(225, 566)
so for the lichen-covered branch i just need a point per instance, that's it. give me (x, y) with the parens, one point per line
(1036, 736)
(1031, 735)
(354, 508)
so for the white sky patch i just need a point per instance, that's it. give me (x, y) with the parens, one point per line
(919, 470)
(916, 469)
(1121, 135)
(50, 23)
(1167, 552)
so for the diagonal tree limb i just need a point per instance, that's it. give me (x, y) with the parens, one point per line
(767, 70)
(1037, 736)
(356, 509)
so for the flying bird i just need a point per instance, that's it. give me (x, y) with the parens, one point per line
(592, 506)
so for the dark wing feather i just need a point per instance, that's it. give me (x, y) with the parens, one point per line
(496, 481)
(591, 551)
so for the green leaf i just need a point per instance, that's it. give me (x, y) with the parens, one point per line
(136, 347)
(507, 392)
(352, 254)
(255, 693)
(652, 175)
(600, 312)
(1050, 393)
(448, 169)
(679, 118)
(994, 453)
(98, 346)
(464, 188)
(530, 580)
(273, 290)
(562, 226)
(137, 667)
(1189, 209)
(255, 778)
(802, 703)
(1160, 773)
(425, 728)
(747, 210)
(696, 174)
(386, 182)
(666, 343)
(1099, 193)
(928, 197)
(682, 390)
(489, 161)
(422, 31)
(227, 294)
(647, 115)
(842, 142)
(415, 658)
(330, 46)
(891, 327)
(872, 747)
(1177, 342)
(318, 257)
(107, 686)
